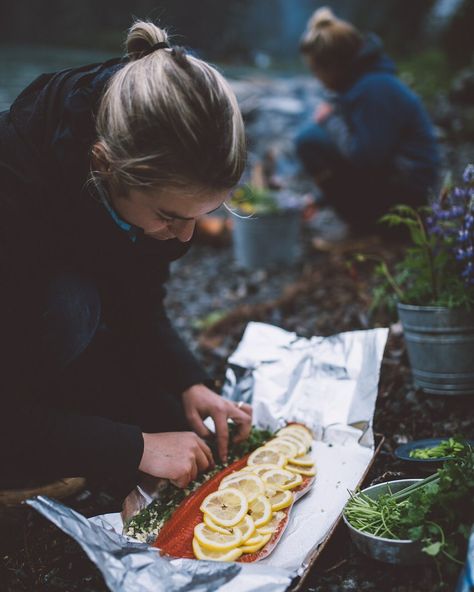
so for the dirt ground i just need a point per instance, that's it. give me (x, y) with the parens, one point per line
(320, 296)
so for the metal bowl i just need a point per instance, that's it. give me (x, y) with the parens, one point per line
(405, 552)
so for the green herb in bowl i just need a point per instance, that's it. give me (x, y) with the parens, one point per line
(437, 511)
(445, 449)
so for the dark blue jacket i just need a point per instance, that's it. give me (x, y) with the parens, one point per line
(50, 222)
(387, 123)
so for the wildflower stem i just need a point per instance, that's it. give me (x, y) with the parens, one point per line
(429, 255)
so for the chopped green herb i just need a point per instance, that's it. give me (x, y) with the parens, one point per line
(450, 447)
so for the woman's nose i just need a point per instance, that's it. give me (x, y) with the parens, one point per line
(184, 229)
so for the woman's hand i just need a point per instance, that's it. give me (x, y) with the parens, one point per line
(200, 402)
(177, 456)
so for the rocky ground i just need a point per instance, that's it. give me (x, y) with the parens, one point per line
(210, 300)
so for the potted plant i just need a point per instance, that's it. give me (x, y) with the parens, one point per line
(266, 224)
(433, 287)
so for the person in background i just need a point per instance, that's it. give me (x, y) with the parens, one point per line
(104, 170)
(371, 144)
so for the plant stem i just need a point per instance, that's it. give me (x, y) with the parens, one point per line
(407, 491)
(429, 256)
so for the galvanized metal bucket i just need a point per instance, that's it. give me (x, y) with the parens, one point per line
(397, 551)
(440, 344)
(266, 240)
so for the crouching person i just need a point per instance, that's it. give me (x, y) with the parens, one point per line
(371, 145)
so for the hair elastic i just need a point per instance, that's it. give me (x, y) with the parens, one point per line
(159, 45)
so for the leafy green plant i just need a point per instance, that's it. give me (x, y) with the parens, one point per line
(438, 267)
(249, 200)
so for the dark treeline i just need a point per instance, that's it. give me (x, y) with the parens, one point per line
(232, 29)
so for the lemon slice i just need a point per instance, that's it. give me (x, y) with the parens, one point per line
(301, 447)
(233, 475)
(305, 471)
(299, 427)
(271, 526)
(282, 479)
(279, 498)
(217, 541)
(285, 447)
(297, 431)
(213, 526)
(264, 456)
(248, 483)
(301, 461)
(247, 528)
(206, 555)
(260, 510)
(256, 546)
(294, 435)
(225, 507)
(255, 539)
(260, 469)
(300, 430)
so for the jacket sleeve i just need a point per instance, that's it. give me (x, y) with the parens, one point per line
(375, 111)
(37, 440)
(135, 308)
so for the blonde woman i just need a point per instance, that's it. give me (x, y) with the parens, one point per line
(104, 170)
(371, 144)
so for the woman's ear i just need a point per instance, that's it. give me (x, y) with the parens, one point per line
(99, 160)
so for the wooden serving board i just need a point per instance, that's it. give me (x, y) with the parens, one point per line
(176, 536)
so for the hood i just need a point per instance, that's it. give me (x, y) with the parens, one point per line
(54, 118)
(371, 58)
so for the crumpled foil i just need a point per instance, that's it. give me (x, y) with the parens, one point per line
(129, 566)
(328, 383)
(323, 381)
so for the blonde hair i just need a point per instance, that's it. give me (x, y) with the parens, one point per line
(169, 119)
(329, 42)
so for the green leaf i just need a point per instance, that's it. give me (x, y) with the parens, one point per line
(433, 549)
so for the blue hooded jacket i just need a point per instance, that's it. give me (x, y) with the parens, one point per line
(387, 125)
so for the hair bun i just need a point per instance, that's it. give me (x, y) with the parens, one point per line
(322, 17)
(141, 37)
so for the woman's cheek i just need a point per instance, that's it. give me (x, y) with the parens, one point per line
(155, 226)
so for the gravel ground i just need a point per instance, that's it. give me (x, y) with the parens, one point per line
(320, 296)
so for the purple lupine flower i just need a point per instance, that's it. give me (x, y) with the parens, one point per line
(459, 193)
(468, 175)
(457, 211)
(468, 269)
(450, 222)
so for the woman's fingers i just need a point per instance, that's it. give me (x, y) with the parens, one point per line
(206, 454)
(242, 416)
(197, 424)
(222, 433)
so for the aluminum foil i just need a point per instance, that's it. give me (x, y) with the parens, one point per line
(330, 384)
(323, 382)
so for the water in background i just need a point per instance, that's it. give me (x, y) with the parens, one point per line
(21, 64)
